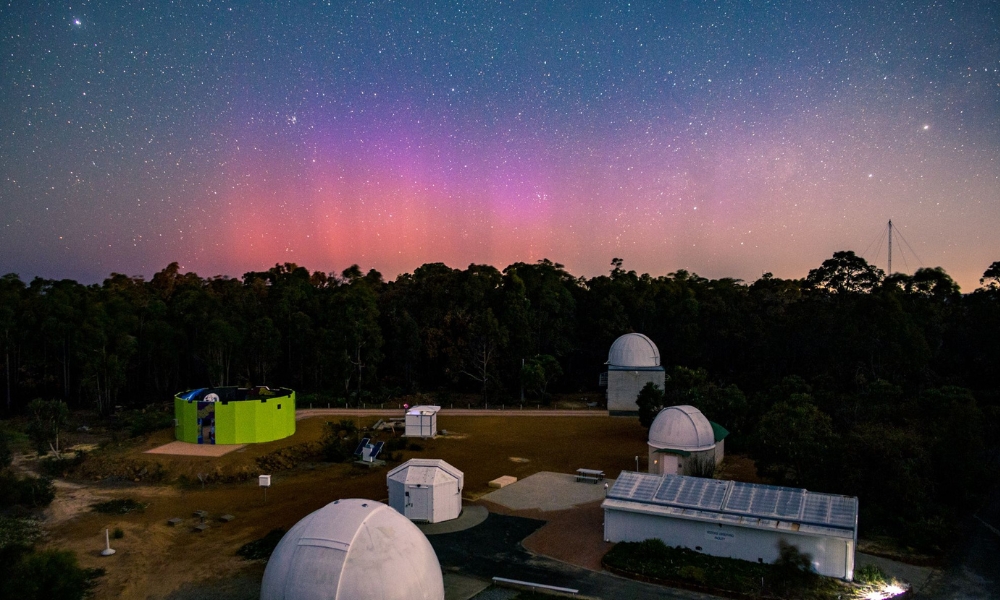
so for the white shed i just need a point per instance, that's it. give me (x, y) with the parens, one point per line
(424, 489)
(422, 421)
(734, 519)
(353, 549)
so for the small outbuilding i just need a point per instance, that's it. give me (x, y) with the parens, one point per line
(429, 490)
(633, 361)
(683, 442)
(733, 519)
(421, 421)
(353, 549)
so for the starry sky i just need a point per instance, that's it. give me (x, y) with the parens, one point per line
(727, 138)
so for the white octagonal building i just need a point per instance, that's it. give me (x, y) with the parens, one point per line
(633, 361)
(352, 549)
(682, 441)
(425, 489)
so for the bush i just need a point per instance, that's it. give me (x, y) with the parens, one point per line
(870, 574)
(46, 575)
(59, 467)
(118, 506)
(117, 534)
(6, 455)
(143, 422)
(262, 548)
(26, 491)
(18, 532)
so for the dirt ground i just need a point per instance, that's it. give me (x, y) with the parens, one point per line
(155, 560)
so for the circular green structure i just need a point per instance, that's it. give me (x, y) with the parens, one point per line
(233, 415)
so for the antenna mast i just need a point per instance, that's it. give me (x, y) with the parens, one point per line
(890, 247)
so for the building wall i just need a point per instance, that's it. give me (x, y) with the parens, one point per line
(186, 417)
(442, 502)
(239, 422)
(662, 463)
(624, 386)
(832, 556)
(421, 425)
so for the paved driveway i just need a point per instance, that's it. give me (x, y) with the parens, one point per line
(492, 549)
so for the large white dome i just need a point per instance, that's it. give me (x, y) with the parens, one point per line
(681, 428)
(353, 549)
(634, 350)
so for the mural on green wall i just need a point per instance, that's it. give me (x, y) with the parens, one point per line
(233, 415)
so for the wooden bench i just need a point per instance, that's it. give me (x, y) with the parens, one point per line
(591, 475)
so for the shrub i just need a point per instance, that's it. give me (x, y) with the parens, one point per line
(26, 491)
(870, 574)
(143, 422)
(118, 506)
(59, 467)
(262, 548)
(46, 575)
(18, 532)
(117, 533)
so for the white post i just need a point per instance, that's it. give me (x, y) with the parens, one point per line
(108, 550)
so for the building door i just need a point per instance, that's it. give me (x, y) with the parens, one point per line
(418, 503)
(206, 422)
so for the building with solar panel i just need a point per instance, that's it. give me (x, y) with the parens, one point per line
(633, 361)
(425, 489)
(734, 519)
(683, 442)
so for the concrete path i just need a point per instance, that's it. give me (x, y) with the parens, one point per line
(916, 576)
(471, 516)
(547, 491)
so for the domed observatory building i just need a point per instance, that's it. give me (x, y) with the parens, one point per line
(352, 549)
(683, 442)
(633, 361)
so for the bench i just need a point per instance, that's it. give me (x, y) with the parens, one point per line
(517, 583)
(175, 521)
(591, 475)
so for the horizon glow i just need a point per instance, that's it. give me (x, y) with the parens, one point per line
(729, 139)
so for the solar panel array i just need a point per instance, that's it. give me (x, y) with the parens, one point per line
(734, 499)
(361, 447)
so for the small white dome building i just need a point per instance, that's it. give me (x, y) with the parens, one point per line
(426, 489)
(352, 549)
(633, 361)
(682, 440)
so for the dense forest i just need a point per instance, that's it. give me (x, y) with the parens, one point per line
(847, 381)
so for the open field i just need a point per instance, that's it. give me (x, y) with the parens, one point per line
(155, 560)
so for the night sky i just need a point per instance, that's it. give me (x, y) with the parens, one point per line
(726, 138)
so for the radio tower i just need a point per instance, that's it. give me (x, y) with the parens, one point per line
(890, 247)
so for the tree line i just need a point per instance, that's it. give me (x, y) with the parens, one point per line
(814, 376)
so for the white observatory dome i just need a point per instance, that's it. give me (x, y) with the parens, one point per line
(634, 350)
(353, 550)
(681, 428)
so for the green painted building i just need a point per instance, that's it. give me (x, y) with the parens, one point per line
(231, 415)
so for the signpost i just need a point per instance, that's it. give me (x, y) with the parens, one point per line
(264, 481)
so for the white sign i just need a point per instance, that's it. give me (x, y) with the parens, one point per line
(718, 535)
(265, 481)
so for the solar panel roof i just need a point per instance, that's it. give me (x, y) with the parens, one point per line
(736, 500)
